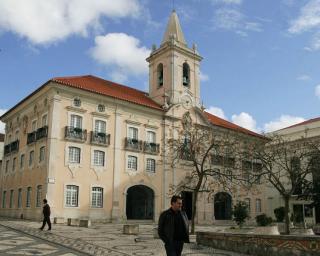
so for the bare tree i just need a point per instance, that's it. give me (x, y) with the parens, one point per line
(287, 166)
(199, 150)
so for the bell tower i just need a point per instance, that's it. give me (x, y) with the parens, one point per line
(174, 74)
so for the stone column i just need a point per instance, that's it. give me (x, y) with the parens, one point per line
(115, 214)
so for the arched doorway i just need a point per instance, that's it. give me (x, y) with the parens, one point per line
(140, 203)
(222, 206)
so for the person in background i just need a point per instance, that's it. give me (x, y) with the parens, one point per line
(46, 215)
(173, 227)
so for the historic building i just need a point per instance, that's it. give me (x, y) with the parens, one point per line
(309, 130)
(97, 149)
(1, 148)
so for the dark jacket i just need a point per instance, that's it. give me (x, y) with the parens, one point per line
(46, 210)
(166, 226)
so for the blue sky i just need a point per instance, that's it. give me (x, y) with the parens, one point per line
(261, 57)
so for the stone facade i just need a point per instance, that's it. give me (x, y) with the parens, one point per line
(95, 155)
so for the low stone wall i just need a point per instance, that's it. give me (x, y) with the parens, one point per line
(262, 245)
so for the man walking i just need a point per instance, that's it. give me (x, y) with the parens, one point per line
(46, 215)
(173, 227)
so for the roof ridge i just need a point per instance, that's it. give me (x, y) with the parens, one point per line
(98, 78)
(311, 120)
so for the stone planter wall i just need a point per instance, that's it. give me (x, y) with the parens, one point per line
(262, 245)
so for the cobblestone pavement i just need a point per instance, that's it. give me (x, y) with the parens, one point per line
(18, 243)
(104, 239)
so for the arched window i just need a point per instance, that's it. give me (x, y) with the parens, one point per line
(160, 74)
(186, 74)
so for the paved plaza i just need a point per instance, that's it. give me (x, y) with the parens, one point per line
(24, 238)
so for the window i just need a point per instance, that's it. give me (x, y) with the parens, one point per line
(42, 154)
(77, 102)
(151, 137)
(100, 126)
(133, 133)
(19, 197)
(101, 108)
(258, 205)
(22, 161)
(97, 197)
(7, 165)
(186, 75)
(28, 201)
(151, 165)
(308, 210)
(72, 196)
(74, 155)
(39, 196)
(31, 157)
(132, 163)
(98, 158)
(4, 198)
(76, 121)
(11, 198)
(247, 201)
(44, 120)
(14, 163)
(34, 125)
(160, 74)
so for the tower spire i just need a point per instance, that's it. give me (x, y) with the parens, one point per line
(174, 29)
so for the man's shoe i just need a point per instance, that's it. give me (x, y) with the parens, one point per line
(49, 229)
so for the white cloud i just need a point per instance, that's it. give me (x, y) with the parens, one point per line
(43, 22)
(234, 20)
(122, 54)
(203, 77)
(216, 111)
(317, 91)
(238, 2)
(245, 120)
(282, 122)
(2, 125)
(309, 18)
(304, 78)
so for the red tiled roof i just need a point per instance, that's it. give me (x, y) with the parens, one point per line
(228, 125)
(302, 123)
(108, 88)
(1, 137)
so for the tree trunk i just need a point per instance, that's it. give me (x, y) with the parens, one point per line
(286, 211)
(194, 209)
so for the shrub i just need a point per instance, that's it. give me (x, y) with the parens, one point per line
(263, 220)
(279, 213)
(240, 213)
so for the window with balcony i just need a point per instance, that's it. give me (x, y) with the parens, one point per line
(28, 200)
(132, 142)
(74, 155)
(98, 158)
(151, 165)
(76, 121)
(133, 133)
(72, 194)
(11, 198)
(39, 196)
(31, 158)
(34, 125)
(150, 145)
(19, 197)
(42, 154)
(132, 163)
(97, 197)
(75, 131)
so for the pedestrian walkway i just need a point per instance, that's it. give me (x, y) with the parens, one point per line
(108, 239)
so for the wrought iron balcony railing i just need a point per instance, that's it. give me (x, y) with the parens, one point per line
(7, 149)
(151, 148)
(14, 146)
(133, 144)
(100, 138)
(31, 137)
(74, 133)
(42, 132)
